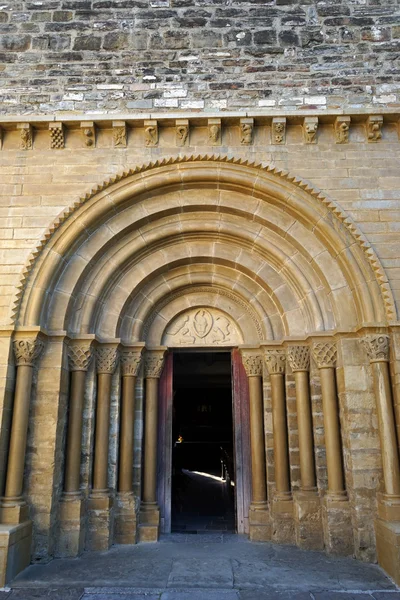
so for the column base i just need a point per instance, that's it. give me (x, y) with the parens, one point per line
(126, 517)
(100, 521)
(149, 519)
(308, 520)
(71, 539)
(283, 531)
(15, 550)
(388, 507)
(337, 525)
(259, 523)
(14, 511)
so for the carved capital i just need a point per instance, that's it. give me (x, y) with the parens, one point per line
(27, 351)
(279, 130)
(299, 358)
(275, 361)
(310, 128)
(130, 361)
(79, 355)
(106, 359)
(252, 362)
(153, 363)
(325, 355)
(377, 347)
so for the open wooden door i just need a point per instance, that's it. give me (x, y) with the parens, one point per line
(241, 436)
(164, 463)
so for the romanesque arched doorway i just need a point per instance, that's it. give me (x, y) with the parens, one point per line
(275, 271)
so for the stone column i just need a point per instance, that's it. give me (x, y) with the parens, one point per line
(307, 503)
(259, 519)
(14, 509)
(336, 515)
(100, 501)
(149, 511)
(71, 536)
(126, 509)
(282, 505)
(387, 525)
(16, 528)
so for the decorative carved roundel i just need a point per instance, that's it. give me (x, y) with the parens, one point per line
(202, 327)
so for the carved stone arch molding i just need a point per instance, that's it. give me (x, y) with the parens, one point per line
(275, 213)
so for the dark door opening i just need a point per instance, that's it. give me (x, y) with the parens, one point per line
(203, 470)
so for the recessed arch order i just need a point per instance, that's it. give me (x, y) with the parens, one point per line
(123, 259)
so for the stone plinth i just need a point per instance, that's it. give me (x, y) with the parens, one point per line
(337, 526)
(15, 550)
(308, 520)
(149, 523)
(100, 522)
(387, 529)
(71, 539)
(282, 516)
(126, 517)
(259, 525)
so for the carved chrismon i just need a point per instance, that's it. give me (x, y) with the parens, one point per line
(275, 361)
(374, 128)
(325, 354)
(299, 358)
(119, 135)
(27, 351)
(202, 326)
(377, 347)
(57, 140)
(106, 359)
(342, 128)
(252, 364)
(153, 364)
(130, 362)
(79, 356)
(279, 130)
(310, 128)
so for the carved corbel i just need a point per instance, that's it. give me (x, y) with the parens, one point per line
(119, 134)
(374, 128)
(89, 133)
(214, 132)
(310, 129)
(246, 131)
(1, 138)
(342, 129)
(299, 358)
(27, 351)
(182, 132)
(26, 132)
(150, 133)
(279, 130)
(57, 137)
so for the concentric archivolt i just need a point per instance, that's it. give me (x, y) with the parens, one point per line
(77, 225)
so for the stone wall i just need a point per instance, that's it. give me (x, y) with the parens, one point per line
(118, 55)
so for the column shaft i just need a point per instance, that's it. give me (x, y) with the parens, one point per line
(100, 467)
(74, 433)
(126, 439)
(305, 430)
(390, 455)
(258, 471)
(281, 450)
(19, 431)
(332, 431)
(150, 441)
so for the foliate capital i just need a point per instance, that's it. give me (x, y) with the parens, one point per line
(325, 355)
(377, 347)
(299, 358)
(27, 351)
(153, 363)
(131, 359)
(79, 355)
(253, 363)
(106, 359)
(275, 361)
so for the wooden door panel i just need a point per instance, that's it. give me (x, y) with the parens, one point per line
(164, 444)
